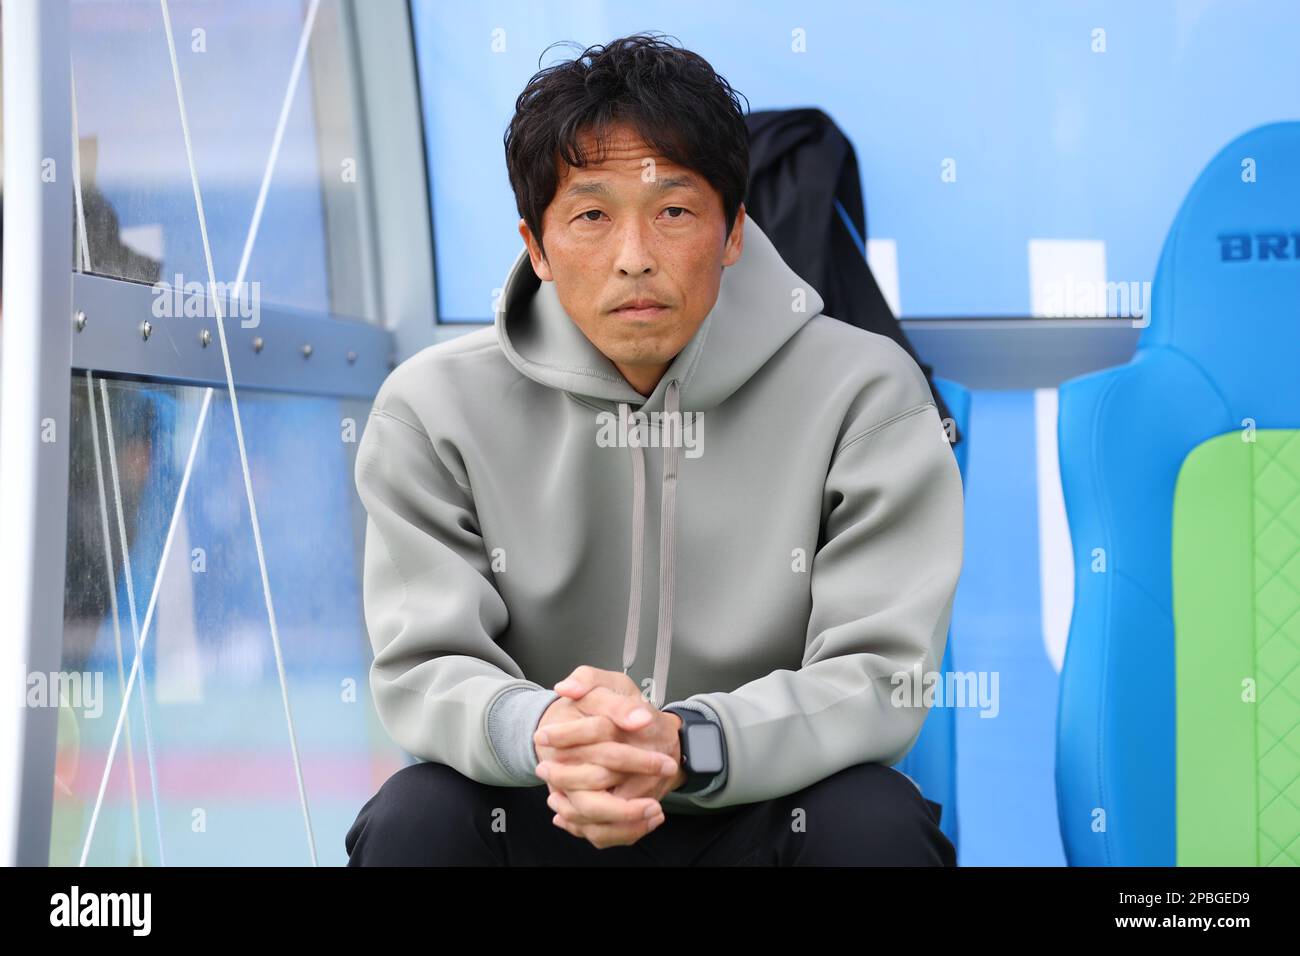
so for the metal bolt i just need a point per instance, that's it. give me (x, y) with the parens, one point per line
(352, 357)
(257, 343)
(205, 337)
(146, 328)
(306, 351)
(80, 321)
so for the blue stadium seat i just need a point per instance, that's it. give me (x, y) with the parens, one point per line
(1221, 354)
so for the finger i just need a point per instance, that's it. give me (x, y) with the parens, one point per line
(602, 835)
(600, 806)
(578, 776)
(558, 800)
(585, 677)
(627, 712)
(584, 730)
(564, 824)
(614, 755)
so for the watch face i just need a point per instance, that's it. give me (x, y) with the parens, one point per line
(705, 743)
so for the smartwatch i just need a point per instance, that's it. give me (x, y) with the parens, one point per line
(704, 754)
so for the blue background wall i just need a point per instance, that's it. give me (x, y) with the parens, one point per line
(1051, 140)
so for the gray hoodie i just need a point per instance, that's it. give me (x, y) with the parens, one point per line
(805, 517)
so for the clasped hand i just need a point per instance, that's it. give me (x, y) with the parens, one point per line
(608, 756)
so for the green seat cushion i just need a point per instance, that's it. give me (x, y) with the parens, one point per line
(1236, 596)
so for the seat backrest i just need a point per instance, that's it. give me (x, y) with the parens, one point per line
(1221, 354)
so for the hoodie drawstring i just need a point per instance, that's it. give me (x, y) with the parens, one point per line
(667, 545)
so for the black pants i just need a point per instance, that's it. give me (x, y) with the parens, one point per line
(428, 814)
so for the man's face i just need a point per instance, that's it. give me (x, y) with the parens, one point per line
(635, 227)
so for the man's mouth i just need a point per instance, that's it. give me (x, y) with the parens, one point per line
(641, 309)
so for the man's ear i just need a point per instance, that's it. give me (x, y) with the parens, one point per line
(736, 241)
(536, 254)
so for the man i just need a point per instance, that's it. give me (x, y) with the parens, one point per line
(654, 364)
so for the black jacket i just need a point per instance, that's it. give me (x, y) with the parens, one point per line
(802, 173)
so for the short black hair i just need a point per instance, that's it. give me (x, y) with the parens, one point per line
(670, 95)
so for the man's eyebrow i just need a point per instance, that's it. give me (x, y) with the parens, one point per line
(673, 182)
(598, 187)
(590, 188)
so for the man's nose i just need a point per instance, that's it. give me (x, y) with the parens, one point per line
(635, 252)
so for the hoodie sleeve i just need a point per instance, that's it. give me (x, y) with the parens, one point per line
(444, 689)
(883, 581)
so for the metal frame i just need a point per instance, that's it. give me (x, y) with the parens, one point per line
(349, 215)
(389, 100)
(286, 351)
(1020, 353)
(36, 389)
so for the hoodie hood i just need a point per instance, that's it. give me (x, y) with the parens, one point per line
(761, 303)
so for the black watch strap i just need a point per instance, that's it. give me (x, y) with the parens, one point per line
(698, 778)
